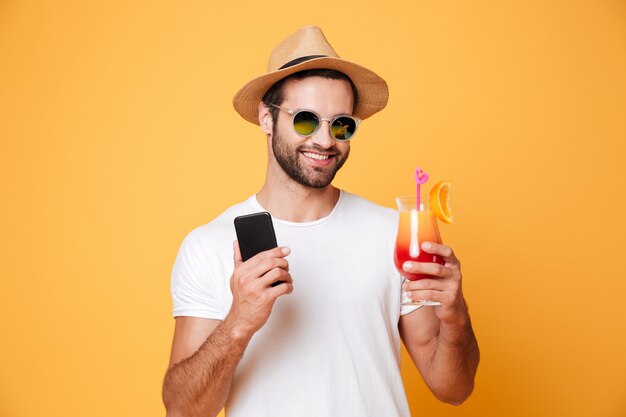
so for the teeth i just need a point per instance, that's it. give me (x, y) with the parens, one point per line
(316, 156)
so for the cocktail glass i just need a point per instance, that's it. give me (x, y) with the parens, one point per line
(417, 225)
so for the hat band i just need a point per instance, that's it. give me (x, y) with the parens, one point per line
(300, 60)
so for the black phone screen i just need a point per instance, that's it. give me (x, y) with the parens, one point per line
(255, 233)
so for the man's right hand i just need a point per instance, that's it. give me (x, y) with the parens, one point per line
(253, 295)
(206, 352)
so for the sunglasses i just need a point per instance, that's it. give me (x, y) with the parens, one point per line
(307, 122)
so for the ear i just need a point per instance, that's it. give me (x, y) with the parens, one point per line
(265, 119)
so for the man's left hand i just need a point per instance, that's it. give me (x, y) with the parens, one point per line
(444, 288)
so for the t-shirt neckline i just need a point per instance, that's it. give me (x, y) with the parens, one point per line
(255, 203)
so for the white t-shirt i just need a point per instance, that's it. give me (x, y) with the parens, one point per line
(330, 348)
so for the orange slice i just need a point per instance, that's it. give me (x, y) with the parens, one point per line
(440, 201)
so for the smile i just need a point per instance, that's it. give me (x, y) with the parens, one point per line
(317, 156)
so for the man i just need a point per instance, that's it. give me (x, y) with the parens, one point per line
(325, 341)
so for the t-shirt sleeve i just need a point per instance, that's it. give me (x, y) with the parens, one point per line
(193, 293)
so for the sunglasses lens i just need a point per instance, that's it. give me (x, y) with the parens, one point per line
(343, 128)
(305, 123)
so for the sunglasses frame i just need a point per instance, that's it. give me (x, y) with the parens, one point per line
(294, 112)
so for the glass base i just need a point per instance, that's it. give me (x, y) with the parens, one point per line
(421, 303)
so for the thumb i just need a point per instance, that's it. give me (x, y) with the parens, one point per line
(237, 253)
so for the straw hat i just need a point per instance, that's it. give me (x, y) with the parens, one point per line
(306, 49)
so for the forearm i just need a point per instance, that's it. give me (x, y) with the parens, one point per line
(454, 362)
(199, 385)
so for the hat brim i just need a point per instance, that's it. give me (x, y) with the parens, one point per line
(372, 89)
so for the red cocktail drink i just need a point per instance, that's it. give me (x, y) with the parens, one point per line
(414, 228)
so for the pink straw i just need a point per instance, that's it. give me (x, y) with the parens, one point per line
(421, 177)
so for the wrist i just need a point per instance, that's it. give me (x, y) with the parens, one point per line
(458, 330)
(237, 329)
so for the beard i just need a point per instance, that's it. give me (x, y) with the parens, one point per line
(289, 160)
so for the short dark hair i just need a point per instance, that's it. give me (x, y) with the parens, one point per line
(275, 93)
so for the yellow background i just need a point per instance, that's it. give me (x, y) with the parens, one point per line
(118, 137)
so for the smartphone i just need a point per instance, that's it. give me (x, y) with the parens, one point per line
(255, 233)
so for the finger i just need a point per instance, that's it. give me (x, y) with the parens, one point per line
(430, 295)
(425, 284)
(275, 275)
(237, 254)
(260, 267)
(429, 268)
(278, 252)
(256, 266)
(281, 289)
(444, 251)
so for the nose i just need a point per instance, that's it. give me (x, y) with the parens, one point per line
(322, 137)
